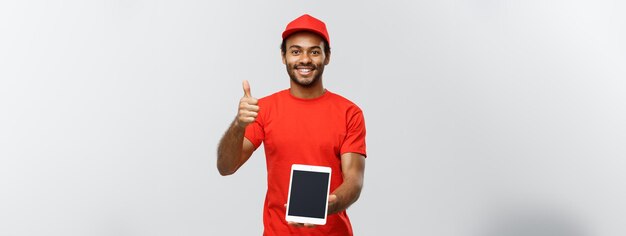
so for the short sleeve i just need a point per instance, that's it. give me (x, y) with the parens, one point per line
(355, 135)
(255, 133)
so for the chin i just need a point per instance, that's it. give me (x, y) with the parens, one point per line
(305, 82)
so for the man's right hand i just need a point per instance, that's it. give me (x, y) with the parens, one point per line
(248, 107)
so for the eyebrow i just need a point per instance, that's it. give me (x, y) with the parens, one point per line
(299, 47)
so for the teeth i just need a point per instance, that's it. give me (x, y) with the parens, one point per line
(305, 70)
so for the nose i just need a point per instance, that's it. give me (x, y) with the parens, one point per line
(305, 58)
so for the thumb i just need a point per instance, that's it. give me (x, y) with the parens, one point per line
(246, 89)
(332, 198)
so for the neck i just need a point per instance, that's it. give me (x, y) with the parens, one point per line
(310, 92)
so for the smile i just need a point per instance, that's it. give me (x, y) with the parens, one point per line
(304, 71)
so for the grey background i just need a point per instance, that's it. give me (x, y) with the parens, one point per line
(484, 117)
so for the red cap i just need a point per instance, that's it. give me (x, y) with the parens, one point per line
(306, 23)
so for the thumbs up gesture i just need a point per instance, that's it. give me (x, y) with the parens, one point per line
(248, 107)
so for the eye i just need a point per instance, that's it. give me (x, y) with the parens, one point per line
(315, 52)
(295, 52)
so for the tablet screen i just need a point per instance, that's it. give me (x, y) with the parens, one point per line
(308, 194)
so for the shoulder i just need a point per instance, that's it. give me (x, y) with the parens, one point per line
(274, 97)
(343, 102)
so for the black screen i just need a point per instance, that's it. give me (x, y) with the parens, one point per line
(308, 194)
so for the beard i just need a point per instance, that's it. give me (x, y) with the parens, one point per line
(318, 70)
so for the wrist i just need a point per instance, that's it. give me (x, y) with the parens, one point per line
(240, 126)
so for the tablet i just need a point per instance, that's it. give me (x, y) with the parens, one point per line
(308, 194)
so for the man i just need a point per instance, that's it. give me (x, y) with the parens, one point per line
(305, 124)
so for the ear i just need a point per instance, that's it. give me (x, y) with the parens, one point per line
(282, 55)
(327, 59)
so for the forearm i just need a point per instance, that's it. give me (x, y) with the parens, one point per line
(229, 151)
(347, 193)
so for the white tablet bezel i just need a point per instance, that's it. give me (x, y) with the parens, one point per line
(301, 219)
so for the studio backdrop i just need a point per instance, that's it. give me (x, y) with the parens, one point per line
(483, 117)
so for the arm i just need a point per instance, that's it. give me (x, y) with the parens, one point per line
(353, 169)
(234, 149)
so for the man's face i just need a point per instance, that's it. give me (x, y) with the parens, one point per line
(304, 58)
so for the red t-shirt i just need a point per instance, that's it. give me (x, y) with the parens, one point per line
(305, 131)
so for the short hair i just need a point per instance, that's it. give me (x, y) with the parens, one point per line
(283, 46)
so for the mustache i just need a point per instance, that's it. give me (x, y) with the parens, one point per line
(307, 65)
